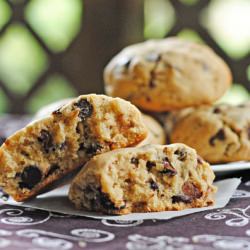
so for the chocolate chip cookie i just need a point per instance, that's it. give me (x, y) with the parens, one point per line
(219, 134)
(167, 74)
(49, 148)
(144, 179)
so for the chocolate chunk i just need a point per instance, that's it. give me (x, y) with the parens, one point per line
(248, 133)
(216, 110)
(181, 198)
(52, 169)
(167, 168)
(191, 190)
(220, 135)
(153, 185)
(91, 149)
(128, 181)
(94, 148)
(46, 140)
(134, 161)
(86, 109)
(57, 112)
(26, 154)
(92, 194)
(153, 57)
(152, 84)
(30, 177)
(107, 203)
(182, 154)
(150, 165)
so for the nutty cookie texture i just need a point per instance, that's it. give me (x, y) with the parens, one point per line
(167, 74)
(219, 134)
(49, 148)
(150, 178)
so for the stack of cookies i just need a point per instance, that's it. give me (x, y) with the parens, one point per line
(183, 79)
(119, 152)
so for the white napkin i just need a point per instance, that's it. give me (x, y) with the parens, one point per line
(57, 201)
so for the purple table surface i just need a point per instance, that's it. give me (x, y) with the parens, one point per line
(31, 229)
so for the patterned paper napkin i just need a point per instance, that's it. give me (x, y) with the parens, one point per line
(57, 201)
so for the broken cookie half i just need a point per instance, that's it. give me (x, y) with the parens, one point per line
(144, 179)
(48, 149)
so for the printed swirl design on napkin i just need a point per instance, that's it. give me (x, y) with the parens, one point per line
(23, 216)
(241, 216)
(197, 242)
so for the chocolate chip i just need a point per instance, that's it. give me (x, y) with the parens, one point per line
(152, 84)
(191, 190)
(46, 140)
(220, 135)
(153, 57)
(94, 148)
(181, 198)
(52, 169)
(26, 154)
(128, 181)
(153, 185)
(150, 165)
(91, 149)
(57, 112)
(30, 177)
(82, 146)
(182, 154)
(216, 110)
(107, 203)
(167, 168)
(134, 161)
(86, 109)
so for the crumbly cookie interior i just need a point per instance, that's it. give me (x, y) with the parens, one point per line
(152, 179)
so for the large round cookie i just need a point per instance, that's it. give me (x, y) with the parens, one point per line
(167, 74)
(219, 134)
(146, 179)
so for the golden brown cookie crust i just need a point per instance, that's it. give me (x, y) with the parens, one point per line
(167, 74)
(156, 133)
(219, 134)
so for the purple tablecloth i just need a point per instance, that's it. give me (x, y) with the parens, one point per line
(25, 228)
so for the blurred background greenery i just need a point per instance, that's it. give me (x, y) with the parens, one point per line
(54, 24)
